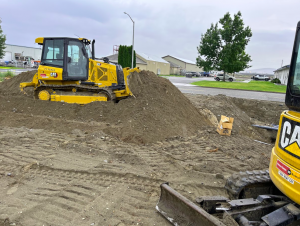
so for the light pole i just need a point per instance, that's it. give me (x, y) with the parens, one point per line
(132, 40)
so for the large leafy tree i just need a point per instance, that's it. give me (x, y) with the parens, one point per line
(124, 56)
(2, 42)
(223, 48)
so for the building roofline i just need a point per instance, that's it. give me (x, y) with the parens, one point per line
(23, 46)
(116, 61)
(179, 59)
(283, 67)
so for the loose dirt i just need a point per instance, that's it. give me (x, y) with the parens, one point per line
(102, 163)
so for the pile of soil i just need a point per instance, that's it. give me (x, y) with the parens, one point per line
(157, 111)
(12, 86)
(246, 113)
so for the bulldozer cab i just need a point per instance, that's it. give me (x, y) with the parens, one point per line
(72, 55)
(292, 98)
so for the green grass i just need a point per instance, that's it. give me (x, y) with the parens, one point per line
(7, 74)
(253, 85)
(2, 67)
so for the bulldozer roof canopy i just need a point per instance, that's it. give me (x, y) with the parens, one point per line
(40, 40)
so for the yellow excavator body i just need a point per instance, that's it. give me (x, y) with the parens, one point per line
(285, 157)
(69, 73)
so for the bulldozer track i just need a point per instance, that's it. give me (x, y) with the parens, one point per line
(108, 92)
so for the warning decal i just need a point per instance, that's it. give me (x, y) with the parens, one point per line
(287, 173)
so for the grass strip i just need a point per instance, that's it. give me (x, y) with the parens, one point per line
(252, 85)
(2, 67)
(6, 75)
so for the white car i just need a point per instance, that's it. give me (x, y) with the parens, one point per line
(261, 77)
(219, 77)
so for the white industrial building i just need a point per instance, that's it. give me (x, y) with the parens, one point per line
(19, 53)
(282, 74)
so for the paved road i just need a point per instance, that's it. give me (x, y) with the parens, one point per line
(183, 84)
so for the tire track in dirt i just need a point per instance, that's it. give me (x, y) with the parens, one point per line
(75, 191)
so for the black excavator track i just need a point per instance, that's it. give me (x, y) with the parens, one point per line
(80, 88)
(250, 184)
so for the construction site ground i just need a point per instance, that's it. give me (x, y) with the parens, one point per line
(102, 163)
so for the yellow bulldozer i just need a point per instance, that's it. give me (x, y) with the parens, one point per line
(256, 198)
(69, 73)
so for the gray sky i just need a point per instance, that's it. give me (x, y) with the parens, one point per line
(162, 27)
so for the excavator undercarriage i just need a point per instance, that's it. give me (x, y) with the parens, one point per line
(253, 201)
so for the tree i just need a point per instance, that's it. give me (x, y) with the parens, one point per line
(223, 48)
(125, 56)
(2, 42)
(134, 59)
(120, 55)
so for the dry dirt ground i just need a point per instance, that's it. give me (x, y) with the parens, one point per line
(102, 163)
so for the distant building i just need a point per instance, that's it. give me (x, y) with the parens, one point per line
(174, 69)
(18, 53)
(147, 62)
(282, 74)
(179, 64)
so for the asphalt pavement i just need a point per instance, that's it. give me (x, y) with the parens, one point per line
(184, 85)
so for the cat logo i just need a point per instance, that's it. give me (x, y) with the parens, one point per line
(290, 137)
(53, 74)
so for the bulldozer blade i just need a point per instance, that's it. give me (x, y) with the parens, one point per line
(182, 212)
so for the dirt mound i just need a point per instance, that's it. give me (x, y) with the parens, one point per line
(245, 112)
(12, 86)
(158, 110)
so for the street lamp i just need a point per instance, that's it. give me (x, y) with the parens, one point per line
(132, 40)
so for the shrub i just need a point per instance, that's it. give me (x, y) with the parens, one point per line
(276, 80)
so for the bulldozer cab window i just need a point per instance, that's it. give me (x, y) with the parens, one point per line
(295, 72)
(53, 52)
(77, 61)
(88, 51)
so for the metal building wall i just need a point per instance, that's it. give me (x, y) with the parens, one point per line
(35, 53)
(162, 68)
(282, 75)
(185, 66)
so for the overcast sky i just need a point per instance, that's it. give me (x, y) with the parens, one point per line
(162, 27)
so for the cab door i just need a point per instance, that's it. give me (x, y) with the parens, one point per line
(76, 63)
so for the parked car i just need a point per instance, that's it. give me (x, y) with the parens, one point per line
(205, 73)
(261, 77)
(188, 75)
(193, 73)
(229, 78)
(196, 74)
